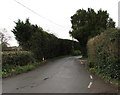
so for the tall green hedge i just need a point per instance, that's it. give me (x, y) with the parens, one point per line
(42, 44)
(103, 53)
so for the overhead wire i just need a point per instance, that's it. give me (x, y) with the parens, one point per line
(38, 14)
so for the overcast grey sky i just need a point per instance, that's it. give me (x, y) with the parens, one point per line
(57, 11)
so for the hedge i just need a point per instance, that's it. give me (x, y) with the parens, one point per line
(103, 53)
(41, 43)
(17, 58)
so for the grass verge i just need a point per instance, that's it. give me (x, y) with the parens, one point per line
(15, 70)
(100, 75)
(104, 77)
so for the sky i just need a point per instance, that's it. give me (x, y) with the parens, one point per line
(52, 15)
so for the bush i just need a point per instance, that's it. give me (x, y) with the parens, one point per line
(103, 53)
(17, 70)
(76, 52)
(16, 58)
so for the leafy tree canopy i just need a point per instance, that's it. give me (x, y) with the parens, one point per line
(87, 24)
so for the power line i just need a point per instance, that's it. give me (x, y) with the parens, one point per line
(38, 14)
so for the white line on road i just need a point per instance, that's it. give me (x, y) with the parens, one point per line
(89, 84)
(91, 77)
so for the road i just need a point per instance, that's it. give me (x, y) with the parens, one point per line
(65, 75)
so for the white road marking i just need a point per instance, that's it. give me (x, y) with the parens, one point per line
(89, 84)
(91, 77)
(81, 62)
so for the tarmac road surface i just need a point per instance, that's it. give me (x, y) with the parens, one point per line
(65, 75)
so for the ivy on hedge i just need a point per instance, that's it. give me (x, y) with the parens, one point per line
(103, 53)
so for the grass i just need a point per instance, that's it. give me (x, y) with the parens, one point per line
(104, 77)
(108, 79)
(11, 71)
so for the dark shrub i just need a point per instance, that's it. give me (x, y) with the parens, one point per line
(17, 58)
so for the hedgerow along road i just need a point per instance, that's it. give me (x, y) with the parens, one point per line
(65, 75)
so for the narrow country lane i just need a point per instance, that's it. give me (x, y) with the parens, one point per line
(66, 75)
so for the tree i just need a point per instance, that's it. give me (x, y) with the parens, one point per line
(110, 23)
(4, 39)
(23, 32)
(87, 24)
